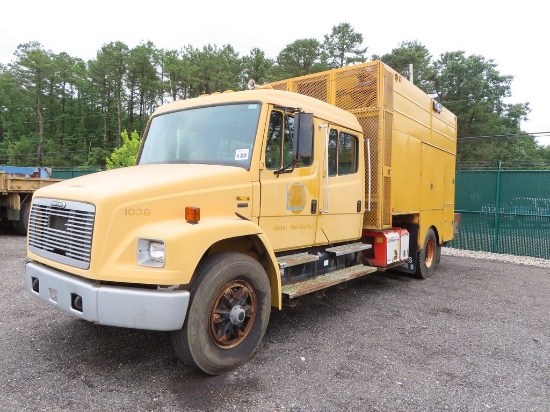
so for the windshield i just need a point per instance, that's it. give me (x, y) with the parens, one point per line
(222, 135)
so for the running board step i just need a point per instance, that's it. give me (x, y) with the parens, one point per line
(324, 281)
(349, 248)
(296, 259)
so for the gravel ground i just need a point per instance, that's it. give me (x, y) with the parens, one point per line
(520, 260)
(474, 337)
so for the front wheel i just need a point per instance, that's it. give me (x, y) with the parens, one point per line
(228, 315)
(427, 257)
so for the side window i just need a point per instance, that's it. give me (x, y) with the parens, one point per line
(288, 147)
(332, 152)
(342, 153)
(274, 140)
(279, 150)
(347, 154)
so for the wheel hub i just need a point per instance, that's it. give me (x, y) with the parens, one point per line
(430, 253)
(237, 315)
(233, 314)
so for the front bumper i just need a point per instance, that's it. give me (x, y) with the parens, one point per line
(121, 306)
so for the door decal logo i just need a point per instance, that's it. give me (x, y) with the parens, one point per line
(295, 196)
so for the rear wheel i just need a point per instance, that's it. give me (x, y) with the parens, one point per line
(229, 312)
(427, 256)
(21, 226)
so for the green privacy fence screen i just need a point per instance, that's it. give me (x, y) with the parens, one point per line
(504, 211)
(68, 172)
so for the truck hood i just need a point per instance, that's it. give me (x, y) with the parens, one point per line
(147, 182)
(147, 202)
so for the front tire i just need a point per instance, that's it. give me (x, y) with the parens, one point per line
(228, 315)
(427, 256)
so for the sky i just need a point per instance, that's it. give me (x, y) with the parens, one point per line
(514, 35)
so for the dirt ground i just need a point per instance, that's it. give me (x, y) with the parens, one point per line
(474, 337)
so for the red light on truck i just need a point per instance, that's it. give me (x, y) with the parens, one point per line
(192, 214)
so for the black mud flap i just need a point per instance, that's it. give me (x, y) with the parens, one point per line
(412, 262)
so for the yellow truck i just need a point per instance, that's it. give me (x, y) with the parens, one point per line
(243, 201)
(17, 184)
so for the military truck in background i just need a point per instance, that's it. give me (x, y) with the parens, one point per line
(243, 201)
(17, 184)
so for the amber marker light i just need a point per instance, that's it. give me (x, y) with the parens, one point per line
(192, 214)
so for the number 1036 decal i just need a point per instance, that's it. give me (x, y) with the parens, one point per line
(137, 212)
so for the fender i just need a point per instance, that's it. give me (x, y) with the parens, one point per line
(186, 244)
(217, 229)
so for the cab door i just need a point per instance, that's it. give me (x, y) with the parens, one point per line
(342, 194)
(289, 186)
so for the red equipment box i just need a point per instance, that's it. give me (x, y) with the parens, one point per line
(388, 246)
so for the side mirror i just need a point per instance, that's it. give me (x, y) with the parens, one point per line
(303, 136)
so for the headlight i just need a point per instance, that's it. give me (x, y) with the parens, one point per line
(151, 252)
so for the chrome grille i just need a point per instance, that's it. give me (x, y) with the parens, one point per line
(62, 231)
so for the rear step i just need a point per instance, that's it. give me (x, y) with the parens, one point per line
(324, 281)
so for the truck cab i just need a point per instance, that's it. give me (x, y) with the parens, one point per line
(258, 178)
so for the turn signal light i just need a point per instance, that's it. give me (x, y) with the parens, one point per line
(192, 214)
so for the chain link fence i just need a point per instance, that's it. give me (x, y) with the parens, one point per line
(504, 211)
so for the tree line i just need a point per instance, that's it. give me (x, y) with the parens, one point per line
(60, 111)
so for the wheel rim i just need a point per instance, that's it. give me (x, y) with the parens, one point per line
(430, 252)
(233, 314)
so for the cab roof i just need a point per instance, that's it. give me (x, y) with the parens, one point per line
(319, 108)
